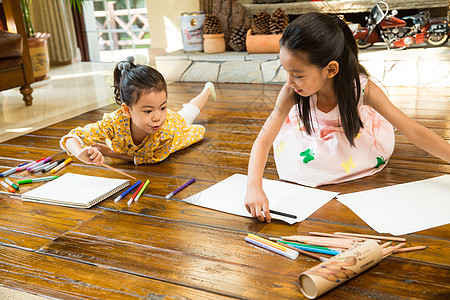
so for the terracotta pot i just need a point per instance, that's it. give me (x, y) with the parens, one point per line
(213, 43)
(40, 60)
(262, 43)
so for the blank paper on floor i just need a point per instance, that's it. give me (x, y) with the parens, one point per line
(403, 208)
(228, 196)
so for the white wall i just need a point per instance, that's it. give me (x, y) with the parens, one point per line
(164, 22)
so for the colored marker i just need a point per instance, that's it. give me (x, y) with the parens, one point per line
(12, 184)
(37, 179)
(135, 193)
(127, 191)
(31, 164)
(52, 165)
(60, 166)
(40, 163)
(38, 168)
(282, 214)
(180, 188)
(142, 190)
(8, 187)
(13, 170)
(291, 255)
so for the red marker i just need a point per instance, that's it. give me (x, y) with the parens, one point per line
(135, 193)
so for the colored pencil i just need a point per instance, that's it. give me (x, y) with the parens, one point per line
(118, 171)
(341, 236)
(306, 245)
(267, 242)
(291, 255)
(307, 253)
(410, 249)
(389, 250)
(372, 236)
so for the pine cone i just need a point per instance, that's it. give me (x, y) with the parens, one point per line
(237, 38)
(278, 21)
(261, 23)
(211, 25)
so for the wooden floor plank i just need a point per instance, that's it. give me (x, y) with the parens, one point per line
(160, 247)
(50, 276)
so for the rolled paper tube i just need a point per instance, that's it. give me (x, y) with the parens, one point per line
(340, 268)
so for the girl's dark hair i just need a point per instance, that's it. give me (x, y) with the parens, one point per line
(324, 38)
(136, 81)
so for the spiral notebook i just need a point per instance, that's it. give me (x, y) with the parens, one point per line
(76, 190)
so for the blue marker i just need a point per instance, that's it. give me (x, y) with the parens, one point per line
(127, 191)
(10, 171)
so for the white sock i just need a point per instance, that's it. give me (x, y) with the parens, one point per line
(210, 85)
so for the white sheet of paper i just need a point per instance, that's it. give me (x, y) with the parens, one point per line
(403, 208)
(228, 196)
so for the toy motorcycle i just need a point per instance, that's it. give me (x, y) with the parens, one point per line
(393, 31)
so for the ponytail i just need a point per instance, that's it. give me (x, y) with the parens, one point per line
(131, 81)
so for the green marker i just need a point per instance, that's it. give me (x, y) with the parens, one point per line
(12, 184)
(142, 190)
(37, 179)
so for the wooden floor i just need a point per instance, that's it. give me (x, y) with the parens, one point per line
(167, 249)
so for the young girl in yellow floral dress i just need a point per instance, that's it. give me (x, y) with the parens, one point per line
(143, 129)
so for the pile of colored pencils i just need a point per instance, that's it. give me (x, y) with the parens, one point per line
(266, 244)
(334, 243)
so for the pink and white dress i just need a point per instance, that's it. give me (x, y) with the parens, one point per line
(326, 156)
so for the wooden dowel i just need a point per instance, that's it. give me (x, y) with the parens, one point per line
(118, 171)
(372, 236)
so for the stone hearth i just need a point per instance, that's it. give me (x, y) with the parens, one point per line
(415, 67)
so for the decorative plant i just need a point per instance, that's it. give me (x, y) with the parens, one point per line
(26, 5)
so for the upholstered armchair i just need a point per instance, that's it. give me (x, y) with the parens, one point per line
(15, 62)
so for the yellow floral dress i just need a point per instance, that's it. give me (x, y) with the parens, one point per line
(114, 129)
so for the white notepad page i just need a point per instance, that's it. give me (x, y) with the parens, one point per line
(403, 208)
(228, 196)
(76, 190)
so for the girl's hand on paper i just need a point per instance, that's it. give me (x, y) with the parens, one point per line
(90, 155)
(257, 204)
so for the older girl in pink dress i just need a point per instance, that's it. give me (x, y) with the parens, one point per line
(330, 123)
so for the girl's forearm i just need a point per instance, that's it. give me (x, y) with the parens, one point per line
(431, 142)
(114, 154)
(257, 163)
(73, 145)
